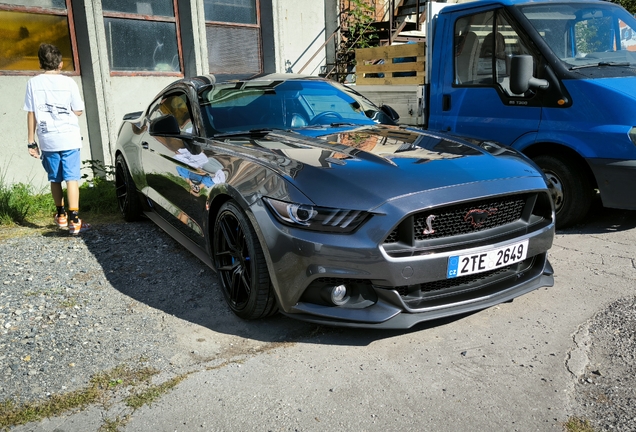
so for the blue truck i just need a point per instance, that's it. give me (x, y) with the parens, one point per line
(556, 80)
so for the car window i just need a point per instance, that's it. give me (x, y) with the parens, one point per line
(176, 105)
(285, 105)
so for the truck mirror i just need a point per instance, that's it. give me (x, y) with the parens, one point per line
(521, 78)
(393, 115)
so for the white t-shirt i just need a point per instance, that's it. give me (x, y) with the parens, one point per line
(53, 98)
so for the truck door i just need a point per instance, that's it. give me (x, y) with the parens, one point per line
(475, 97)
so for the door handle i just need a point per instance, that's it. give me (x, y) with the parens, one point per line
(446, 102)
(144, 145)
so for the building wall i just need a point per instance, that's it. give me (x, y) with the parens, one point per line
(299, 35)
(292, 33)
(16, 166)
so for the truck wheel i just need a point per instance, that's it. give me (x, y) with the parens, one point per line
(570, 187)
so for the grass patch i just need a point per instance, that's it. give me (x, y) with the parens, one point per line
(153, 392)
(12, 414)
(575, 424)
(24, 205)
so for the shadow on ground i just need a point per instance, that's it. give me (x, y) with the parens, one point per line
(144, 263)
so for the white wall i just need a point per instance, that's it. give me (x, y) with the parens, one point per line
(299, 32)
(16, 166)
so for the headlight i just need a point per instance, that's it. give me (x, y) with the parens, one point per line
(316, 218)
(632, 134)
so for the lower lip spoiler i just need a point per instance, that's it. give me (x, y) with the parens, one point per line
(386, 316)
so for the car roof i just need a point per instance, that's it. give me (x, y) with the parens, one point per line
(201, 82)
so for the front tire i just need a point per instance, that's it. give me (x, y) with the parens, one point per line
(571, 188)
(126, 191)
(240, 263)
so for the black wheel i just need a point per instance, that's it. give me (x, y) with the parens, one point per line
(126, 191)
(241, 266)
(323, 115)
(571, 188)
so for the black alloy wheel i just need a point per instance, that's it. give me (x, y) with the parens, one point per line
(571, 189)
(126, 191)
(240, 263)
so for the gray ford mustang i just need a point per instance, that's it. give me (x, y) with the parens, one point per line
(308, 199)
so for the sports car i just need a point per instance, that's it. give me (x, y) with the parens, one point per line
(307, 199)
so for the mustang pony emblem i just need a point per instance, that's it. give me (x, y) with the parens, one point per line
(477, 217)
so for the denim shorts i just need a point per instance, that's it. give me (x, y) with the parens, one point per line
(62, 165)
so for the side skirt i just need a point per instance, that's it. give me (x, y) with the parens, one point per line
(181, 238)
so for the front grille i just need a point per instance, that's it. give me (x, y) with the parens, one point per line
(462, 218)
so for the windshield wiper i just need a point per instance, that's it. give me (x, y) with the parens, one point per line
(251, 132)
(601, 64)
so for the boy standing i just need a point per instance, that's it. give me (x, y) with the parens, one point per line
(53, 104)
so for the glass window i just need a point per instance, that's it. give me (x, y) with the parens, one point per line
(233, 52)
(484, 46)
(234, 47)
(176, 105)
(586, 35)
(231, 11)
(149, 7)
(23, 29)
(142, 36)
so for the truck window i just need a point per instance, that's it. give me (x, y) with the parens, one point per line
(584, 35)
(484, 45)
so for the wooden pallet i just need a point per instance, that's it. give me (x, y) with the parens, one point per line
(377, 65)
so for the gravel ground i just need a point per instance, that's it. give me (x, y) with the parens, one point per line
(71, 307)
(606, 392)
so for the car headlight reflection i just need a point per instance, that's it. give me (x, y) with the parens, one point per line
(316, 218)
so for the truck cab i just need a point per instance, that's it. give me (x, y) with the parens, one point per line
(573, 113)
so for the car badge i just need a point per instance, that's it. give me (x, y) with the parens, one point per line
(429, 225)
(477, 217)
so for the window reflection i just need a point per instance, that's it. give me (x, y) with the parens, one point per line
(21, 34)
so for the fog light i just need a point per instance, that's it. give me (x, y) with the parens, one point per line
(339, 295)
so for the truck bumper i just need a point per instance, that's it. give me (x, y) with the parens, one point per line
(616, 179)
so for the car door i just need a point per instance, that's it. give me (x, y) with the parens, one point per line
(475, 98)
(172, 165)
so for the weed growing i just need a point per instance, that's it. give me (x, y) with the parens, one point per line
(12, 414)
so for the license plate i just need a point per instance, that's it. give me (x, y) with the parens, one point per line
(463, 265)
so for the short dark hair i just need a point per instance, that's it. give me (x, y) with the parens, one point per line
(50, 57)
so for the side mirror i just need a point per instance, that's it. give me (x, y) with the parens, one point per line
(165, 126)
(393, 115)
(521, 78)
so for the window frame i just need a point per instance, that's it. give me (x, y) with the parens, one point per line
(152, 18)
(47, 11)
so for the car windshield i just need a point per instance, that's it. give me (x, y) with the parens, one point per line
(284, 104)
(586, 35)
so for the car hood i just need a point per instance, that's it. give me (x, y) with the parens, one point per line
(369, 165)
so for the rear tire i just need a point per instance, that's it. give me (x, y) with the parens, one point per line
(126, 191)
(240, 263)
(571, 189)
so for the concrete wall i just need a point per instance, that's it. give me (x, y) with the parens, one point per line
(16, 166)
(299, 32)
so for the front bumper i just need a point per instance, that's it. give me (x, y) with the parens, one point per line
(391, 312)
(397, 291)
